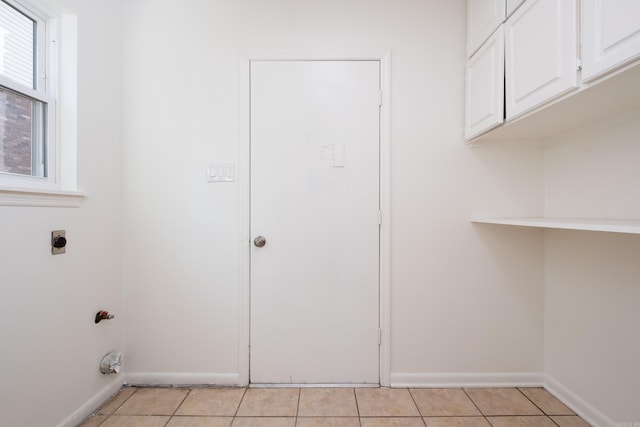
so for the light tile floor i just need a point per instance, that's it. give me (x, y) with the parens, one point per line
(333, 407)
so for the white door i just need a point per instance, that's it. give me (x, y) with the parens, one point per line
(315, 200)
(540, 54)
(610, 35)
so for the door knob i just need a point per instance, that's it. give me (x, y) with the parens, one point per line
(260, 241)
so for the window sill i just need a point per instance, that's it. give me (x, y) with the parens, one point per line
(10, 196)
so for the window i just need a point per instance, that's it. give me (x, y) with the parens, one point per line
(27, 107)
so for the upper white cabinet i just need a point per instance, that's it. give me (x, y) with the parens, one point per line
(483, 18)
(610, 35)
(549, 84)
(541, 58)
(512, 5)
(484, 107)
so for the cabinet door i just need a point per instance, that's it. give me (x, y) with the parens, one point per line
(484, 108)
(512, 5)
(610, 35)
(483, 17)
(540, 53)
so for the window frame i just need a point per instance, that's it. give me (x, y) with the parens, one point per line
(44, 80)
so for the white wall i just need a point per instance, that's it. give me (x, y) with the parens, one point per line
(51, 347)
(468, 302)
(465, 299)
(592, 294)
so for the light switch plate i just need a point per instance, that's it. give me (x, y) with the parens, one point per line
(221, 172)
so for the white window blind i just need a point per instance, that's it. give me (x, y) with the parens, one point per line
(17, 46)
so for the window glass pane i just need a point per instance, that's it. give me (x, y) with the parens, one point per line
(22, 121)
(16, 45)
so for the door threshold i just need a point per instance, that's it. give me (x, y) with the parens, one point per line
(307, 385)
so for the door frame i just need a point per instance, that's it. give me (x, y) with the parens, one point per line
(244, 196)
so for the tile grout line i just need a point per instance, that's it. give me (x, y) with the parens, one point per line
(298, 406)
(417, 407)
(116, 409)
(235, 414)
(474, 403)
(355, 397)
(179, 405)
(125, 401)
(534, 404)
(477, 407)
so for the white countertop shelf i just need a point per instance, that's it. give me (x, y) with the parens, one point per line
(606, 225)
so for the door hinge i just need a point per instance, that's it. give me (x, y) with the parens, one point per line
(379, 98)
(379, 336)
(379, 218)
(578, 64)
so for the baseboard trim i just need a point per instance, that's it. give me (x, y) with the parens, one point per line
(578, 405)
(444, 380)
(91, 405)
(181, 379)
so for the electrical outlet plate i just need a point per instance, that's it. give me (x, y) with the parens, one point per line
(55, 235)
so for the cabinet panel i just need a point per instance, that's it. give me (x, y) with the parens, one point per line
(483, 17)
(610, 35)
(484, 108)
(512, 5)
(541, 53)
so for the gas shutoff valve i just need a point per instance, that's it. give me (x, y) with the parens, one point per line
(103, 315)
